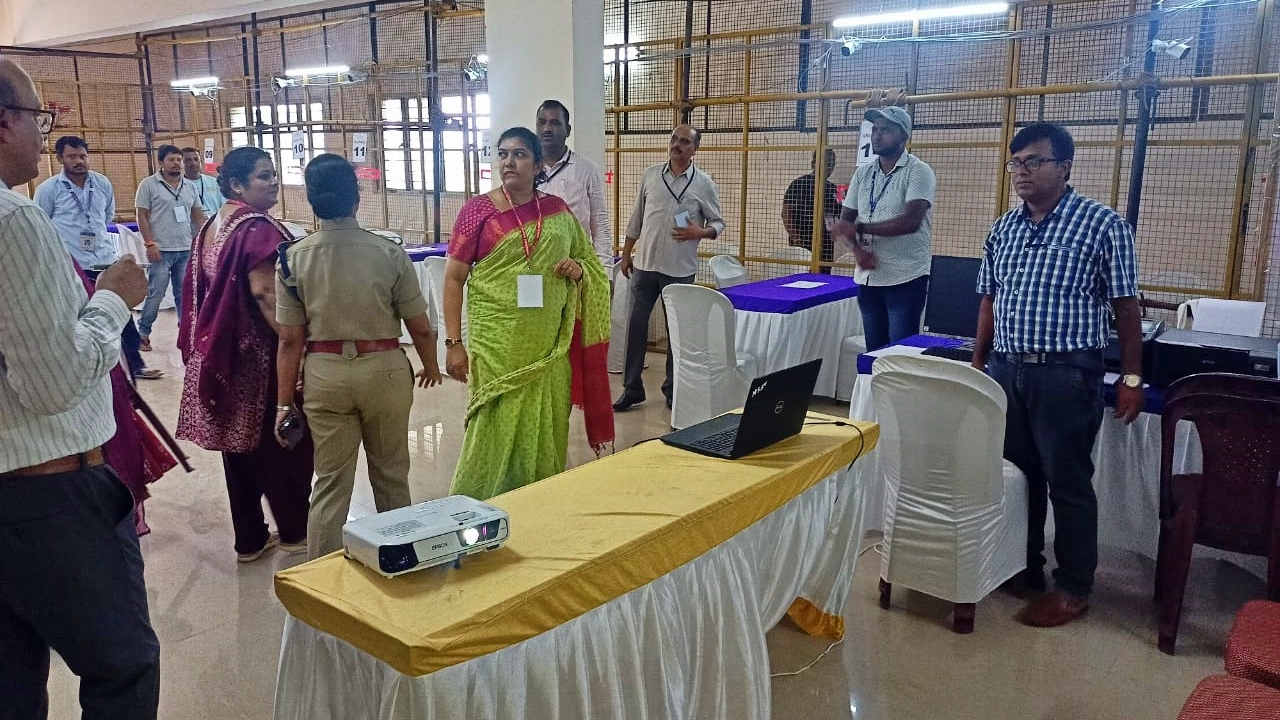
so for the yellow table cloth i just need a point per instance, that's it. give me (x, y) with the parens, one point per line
(578, 540)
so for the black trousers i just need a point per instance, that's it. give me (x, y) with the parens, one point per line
(71, 580)
(646, 290)
(1054, 412)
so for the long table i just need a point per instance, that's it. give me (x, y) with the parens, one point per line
(1126, 462)
(782, 325)
(617, 578)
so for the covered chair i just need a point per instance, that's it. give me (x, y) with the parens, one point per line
(1233, 503)
(1232, 317)
(710, 376)
(434, 267)
(790, 252)
(955, 509)
(727, 271)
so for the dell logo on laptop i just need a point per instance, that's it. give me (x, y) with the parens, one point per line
(777, 409)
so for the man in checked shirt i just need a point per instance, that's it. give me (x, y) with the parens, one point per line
(1053, 272)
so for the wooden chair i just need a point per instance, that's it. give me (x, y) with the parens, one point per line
(1233, 503)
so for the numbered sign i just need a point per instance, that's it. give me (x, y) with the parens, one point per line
(360, 148)
(482, 144)
(299, 145)
(865, 156)
(208, 154)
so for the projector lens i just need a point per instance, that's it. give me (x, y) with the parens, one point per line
(470, 536)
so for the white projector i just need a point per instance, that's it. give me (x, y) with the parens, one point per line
(423, 535)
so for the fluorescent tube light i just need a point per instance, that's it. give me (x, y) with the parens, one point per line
(193, 82)
(310, 72)
(994, 8)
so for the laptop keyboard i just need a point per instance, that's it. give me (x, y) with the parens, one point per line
(721, 442)
(961, 354)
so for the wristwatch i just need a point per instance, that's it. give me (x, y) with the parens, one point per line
(1131, 380)
(450, 342)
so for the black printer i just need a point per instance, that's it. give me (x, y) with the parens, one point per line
(1176, 354)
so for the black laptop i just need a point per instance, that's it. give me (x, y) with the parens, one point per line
(775, 410)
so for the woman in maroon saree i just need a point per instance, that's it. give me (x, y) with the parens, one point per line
(228, 341)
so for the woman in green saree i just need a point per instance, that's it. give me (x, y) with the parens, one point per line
(538, 328)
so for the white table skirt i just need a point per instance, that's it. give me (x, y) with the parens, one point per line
(779, 341)
(690, 644)
(1126, 479)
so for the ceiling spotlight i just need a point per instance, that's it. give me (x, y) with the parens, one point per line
(476, 68)
(204, 86)
(1176, 49)
(849, 46)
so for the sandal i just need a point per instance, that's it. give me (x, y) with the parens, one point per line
(149, 374)
(145, 345)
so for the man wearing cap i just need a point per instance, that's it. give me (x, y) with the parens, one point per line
(886, 216)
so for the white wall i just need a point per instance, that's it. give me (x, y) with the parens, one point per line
(44, 24)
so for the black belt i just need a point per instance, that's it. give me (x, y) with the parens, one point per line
(1076, 357)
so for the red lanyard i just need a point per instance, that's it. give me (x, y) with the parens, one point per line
(524, 236)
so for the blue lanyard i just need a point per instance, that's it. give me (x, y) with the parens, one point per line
(872, 196)
(88, 219)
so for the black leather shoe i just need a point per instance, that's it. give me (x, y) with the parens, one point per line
(626, 400)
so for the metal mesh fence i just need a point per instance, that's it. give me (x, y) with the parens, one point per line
(770, 85)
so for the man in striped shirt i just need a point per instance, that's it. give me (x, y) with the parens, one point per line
(71, 570)
(1053, 272)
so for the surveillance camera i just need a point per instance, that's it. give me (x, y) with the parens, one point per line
(848, 46)
(1176, 49)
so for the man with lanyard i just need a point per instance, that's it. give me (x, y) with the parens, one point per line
(574, 178)
(206, 186)
(887, 211)
(677, 205)
(798, 205)
(169, 213)
(81, 203)
(1053, 271)
(71, 574)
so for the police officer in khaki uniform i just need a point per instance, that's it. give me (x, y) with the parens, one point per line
(341, 295)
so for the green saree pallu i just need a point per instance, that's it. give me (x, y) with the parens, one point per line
(522, 378)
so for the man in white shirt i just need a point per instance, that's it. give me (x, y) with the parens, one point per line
(71, 571)
(677, 205)
(81, 203)
(574, 178)
(206, 186)
(169, 213)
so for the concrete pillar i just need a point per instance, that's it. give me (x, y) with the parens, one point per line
(548, 50)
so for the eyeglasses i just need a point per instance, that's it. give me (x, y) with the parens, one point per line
(44, 118)
(1032, 164)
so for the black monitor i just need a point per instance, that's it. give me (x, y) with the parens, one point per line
(952, 304)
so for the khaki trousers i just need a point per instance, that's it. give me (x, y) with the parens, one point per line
(347, 401)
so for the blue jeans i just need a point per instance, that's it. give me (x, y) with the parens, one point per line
(171, 268)
(1054, 411)
(891, 312)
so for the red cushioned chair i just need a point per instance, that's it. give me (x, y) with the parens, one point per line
(1253, 647)
(1223, 697)
(1233, 504)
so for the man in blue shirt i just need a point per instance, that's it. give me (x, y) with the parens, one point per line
(1053, 273)
(206, 186)
(81, 203)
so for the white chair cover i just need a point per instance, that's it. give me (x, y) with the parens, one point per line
(955, 510)
(434, 268)
(1233, 317)
(847, 370)
(791, 252)
(727, 271)
(129, 242)
(710, 377)
(619, 316)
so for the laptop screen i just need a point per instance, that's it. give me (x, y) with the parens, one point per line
(952, 304)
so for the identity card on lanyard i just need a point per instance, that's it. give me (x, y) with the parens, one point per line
(180, 214)
(681, 217)
(88, 236)
(529, 284)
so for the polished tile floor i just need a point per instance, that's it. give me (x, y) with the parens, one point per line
(219, 622)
